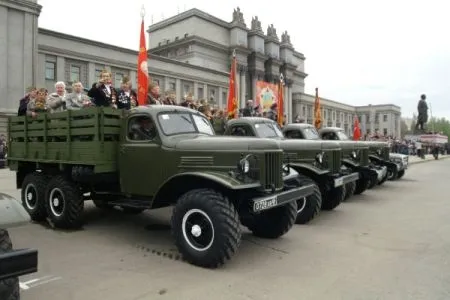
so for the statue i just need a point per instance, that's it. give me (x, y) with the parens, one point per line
(422, 109)
(256, 24)
(285, 38)
(272, 32)
(238, 17)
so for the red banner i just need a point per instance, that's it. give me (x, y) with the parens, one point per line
(232, 100)
(142, 69)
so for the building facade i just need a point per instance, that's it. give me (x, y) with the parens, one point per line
(189, 53)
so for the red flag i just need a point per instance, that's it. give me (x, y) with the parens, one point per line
(317, 112)
(232, 102)
(280, 104)
(356, 129)
(142, 69)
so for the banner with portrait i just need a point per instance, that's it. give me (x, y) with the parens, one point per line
(266, 94)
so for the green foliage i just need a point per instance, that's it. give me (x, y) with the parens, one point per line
(439, 125)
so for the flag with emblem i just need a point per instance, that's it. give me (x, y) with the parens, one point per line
(280, 104)
(232, 100)
(317, 112)
(142, 66)
(356, 129)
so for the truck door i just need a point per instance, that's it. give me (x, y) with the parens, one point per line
(139, 150)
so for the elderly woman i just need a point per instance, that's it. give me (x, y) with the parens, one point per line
(77, 99)
(56, 101)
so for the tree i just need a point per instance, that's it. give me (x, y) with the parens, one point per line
(403, 128)
(439, 125)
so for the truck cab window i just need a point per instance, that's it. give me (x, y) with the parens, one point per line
(238, 131)
(294, 134)
(141, 128)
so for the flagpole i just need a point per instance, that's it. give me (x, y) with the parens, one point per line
(236, 113)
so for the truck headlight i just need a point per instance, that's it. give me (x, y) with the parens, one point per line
(379, 152)
(319, 158)
(244, 166)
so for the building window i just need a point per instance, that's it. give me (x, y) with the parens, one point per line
(118, 79)
(385, 118)
(200, 92)
(50, 70)
(186, 88)
(172, 86)
(98, 72)
(385, 131)
(75, 72)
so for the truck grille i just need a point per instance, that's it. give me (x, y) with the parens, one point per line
(385, 154)
(364, 157)
(336, 165)
(273, 170)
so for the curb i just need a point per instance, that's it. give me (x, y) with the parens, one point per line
(428, 160)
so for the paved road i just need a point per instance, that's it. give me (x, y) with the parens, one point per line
(390, 243)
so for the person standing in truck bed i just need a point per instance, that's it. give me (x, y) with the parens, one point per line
(102, 92)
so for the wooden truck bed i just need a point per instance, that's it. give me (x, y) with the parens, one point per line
(81, 137)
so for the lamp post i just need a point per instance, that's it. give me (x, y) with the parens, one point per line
(431, 117)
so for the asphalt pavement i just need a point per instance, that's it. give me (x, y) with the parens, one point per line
(392, 242)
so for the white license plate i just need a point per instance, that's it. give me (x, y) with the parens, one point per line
(338, 182)
(265, 204)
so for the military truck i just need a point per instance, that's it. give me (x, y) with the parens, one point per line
(378, 154)
(402, 162)
(153, 157)
(354, 156)
(319, 163)
(13, 263)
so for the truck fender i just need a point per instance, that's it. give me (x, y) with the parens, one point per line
(311, 171)
(350, 164)
(181, 183)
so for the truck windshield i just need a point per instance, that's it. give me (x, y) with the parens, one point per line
(342, 136)
(268, 130)
(311, 133)
(173, 123)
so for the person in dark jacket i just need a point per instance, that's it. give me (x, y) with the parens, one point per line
(102, 92)
(23, 104)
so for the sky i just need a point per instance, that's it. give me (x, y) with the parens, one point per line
(357, 52)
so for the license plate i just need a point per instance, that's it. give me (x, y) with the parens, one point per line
(338, 182)
(265, 204)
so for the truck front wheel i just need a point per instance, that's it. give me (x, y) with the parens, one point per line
(64, 203)
(349, 189)
(33, 195)
(206, 228)
(308, 207)
(333, 198)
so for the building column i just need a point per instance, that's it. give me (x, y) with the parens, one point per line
(178, 90)
(60, 69)
(195, 93)
(166, 84)
(205, 91)
(242, 88)
(220, 98)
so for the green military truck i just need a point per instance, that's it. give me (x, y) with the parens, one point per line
(319, 162)
(13, 263)
(354, 156)
(378, 154)
(153, 157)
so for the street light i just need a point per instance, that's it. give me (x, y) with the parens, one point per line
(431, 117)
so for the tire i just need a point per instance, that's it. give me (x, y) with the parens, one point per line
(361, 186)
(349, 190)
(64, 203)
(391, 175)
(9, 288)
(308, 207)
(333, 198)
(33, 195)
(218, 215)
(400, 174)
(275, 222)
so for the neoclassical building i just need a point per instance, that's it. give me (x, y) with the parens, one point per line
(188, 53)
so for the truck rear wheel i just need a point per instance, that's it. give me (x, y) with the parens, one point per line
(349, 189)
(275, 222)
(64, 203)
(206, 228)
(333, 198)
(9, 288)
(308, 207)
(33, 195)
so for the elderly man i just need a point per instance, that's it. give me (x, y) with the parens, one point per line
(77, 99)
(249, 110)
(56, 101)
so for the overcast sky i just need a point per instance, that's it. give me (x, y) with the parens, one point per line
(357, 52)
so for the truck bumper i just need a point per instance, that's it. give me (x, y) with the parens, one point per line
(337, 182)
(274, 200)
(18, 262)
